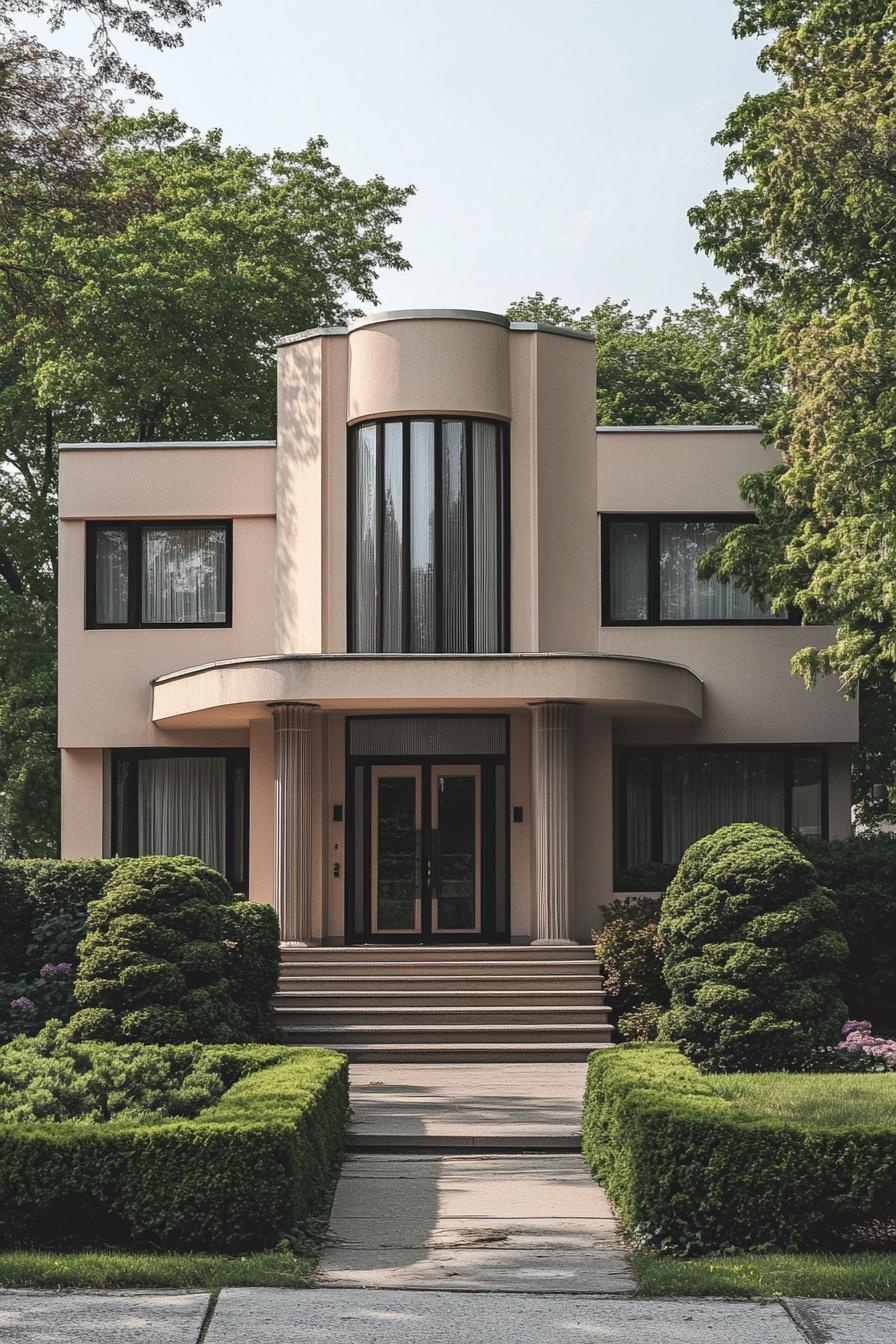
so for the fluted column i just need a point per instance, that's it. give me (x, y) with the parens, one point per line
(294, 799)
(553, 725)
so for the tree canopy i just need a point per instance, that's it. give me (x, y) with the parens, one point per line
(690, 367)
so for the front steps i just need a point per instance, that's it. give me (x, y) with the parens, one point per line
(449, 1003)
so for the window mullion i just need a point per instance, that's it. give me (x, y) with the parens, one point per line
(438, 554)
(406, 537)
(470, 505)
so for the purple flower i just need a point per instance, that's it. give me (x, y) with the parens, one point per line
(851, 1025)
(22, 1005)
(49, 969)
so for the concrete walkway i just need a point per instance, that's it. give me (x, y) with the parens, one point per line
(344, 1316)
(466, 1105)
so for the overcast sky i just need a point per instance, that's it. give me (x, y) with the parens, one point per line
(554, 144)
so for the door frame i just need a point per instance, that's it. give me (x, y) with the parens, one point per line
(494, 913)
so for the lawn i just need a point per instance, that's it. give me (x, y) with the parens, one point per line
(840, 1100)
(768, 1275)
(121, 1269)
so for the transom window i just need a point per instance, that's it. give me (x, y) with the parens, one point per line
(158, 574)
(428, 536)
(668, 797)
(651, 574)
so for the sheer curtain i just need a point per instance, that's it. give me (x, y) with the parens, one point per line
(112, 576)
(628, 571)
(184, 575)
(182, 808)
(703, 791)
(454, 537)
(422, 540)
(684, 596)
(365, 614)
(393, 538)
(486, 515)
(638, 810)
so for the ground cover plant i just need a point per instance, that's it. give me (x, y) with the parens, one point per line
(751, 953)
(691, 1171)
(172, 955)
(226, 1148)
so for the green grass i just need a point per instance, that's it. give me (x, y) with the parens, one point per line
(813, 1098)
(124, 1269)
(768, 1275)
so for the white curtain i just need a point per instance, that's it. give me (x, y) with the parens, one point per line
(486, 517)
(393, 537)
(684, 596)
(182, 807)
(628, 571)
(366, 596)
(184, 575)
(638, 811)
(703, 791)
(112, 576)
(422, 540)
(454, 537)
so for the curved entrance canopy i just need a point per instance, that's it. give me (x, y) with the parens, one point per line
(230, 694)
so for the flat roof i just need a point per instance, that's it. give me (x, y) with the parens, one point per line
(434, 315)
(169, 443)
(677, 429)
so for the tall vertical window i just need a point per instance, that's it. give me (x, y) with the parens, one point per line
(651, 574)
(428, 536)
(159, 574)
(184, 802)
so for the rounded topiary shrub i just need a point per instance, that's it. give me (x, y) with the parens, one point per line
(172, 955)
(752, 955)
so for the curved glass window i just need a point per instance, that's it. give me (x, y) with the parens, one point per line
(428, 536)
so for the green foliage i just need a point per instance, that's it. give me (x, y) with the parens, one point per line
(238, 1176)
(52, 1078)
(645, 877)
(687, 368)
(805, 230)
(628, 948)
(688, 1173)
(641, 1023)
(171, 955)
(861, 875)
(751, 953)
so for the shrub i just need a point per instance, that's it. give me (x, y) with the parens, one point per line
(641, 1024)
(43, 911)
(238, 1176)
(628, 947)
(751, 953)
(861, 874)
(172, 955)
(688, 1172)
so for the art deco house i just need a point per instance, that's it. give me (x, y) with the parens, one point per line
(436, 665)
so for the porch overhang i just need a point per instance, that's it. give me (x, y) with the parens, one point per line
(230, 694)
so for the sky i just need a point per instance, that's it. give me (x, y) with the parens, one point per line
(554, 145)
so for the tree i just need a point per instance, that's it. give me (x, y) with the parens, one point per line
(805, 229)
(158, 321)
(691, 367)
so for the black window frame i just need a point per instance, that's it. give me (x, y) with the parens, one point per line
(134, 529)
(504, 524)
(655, 752)
(236, 757)
(654, 522)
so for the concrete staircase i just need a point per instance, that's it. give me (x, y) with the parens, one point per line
(450, 1003)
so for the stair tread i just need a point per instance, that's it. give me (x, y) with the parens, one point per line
(436, 993)
(356, 965)
(445, 1029)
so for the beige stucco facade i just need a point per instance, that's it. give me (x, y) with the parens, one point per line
(279, 680)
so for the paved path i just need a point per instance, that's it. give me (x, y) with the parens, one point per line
(344, 1316)
(499, 1222)
(466, 1105)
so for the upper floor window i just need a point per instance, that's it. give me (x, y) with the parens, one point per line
(428, 536)
(158, 574)
(651, 573)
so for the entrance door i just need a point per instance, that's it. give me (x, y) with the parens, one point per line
(425, 851)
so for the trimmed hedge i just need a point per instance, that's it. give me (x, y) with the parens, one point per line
(751, 953)
(239, 1176)
(32, 890)
(687, 1172)
(172, 955)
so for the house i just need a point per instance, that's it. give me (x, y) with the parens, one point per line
(434, 667)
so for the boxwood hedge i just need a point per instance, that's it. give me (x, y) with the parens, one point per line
(687, 1172)
(240, 1175)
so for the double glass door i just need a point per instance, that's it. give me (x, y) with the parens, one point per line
(425, 850)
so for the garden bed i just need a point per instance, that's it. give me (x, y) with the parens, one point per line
(221, 1148)
(690, 1171)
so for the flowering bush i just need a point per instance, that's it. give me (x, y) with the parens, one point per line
(859, 1050)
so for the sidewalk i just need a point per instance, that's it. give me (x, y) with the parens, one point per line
(347, 1316)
